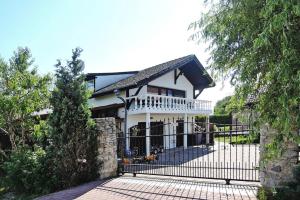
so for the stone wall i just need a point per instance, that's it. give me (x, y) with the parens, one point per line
(275, 172)
(107, 146)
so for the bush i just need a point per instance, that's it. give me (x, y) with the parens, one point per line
(24, 171)
(216, 119)
(220, 119)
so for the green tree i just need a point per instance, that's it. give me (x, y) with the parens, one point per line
(22, 92)
(73, 139)
(257, 45)
(222, 107)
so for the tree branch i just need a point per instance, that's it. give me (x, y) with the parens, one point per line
(3, 130)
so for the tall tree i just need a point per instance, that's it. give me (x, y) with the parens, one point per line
(73, 139)
(22, 92)
(257, 45)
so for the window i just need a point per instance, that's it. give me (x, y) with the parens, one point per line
(165, 91)
(179, 93)
(152, 90)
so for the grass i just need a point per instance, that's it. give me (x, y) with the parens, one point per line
(240, 139)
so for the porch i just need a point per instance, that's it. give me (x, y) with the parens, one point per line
(151, 130)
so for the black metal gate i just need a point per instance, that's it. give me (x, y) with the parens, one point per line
(191, 149)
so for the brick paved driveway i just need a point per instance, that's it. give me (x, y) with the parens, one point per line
(154, 187)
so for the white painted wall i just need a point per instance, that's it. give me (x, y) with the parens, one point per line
(142, 91)
(167, 81)
(105, 100)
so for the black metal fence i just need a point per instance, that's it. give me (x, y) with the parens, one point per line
(190, 149)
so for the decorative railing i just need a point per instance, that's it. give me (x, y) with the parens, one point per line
(167, 104)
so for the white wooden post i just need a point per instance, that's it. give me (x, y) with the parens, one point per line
(185, 132)
(166, 136)
(148, 134)
(207, 129)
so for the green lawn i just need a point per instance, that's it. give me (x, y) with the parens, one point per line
(240, 139)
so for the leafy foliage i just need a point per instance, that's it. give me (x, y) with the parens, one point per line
(220, 119)
(22, 92)
(73, 139)
(257, 45)
(222, 106)
(25, 171)
(216, 119)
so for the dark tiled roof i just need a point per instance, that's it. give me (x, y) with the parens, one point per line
(148, 74)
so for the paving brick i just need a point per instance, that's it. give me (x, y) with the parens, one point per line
(156, 188)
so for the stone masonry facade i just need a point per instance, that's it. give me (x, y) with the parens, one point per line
(276, 172)
(107, 148)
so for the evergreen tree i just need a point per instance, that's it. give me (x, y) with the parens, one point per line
(73, 137)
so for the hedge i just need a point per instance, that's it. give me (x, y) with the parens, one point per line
(216, 119)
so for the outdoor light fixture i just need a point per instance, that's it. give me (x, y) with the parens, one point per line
(118, 95)
(117, 92)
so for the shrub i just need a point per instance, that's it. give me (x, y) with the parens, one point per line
(216, 119)
(220, 119)
(262, 194)
(24, 171)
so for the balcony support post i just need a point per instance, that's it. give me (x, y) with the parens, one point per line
(207, 129)
(148, 129)
(185, 132)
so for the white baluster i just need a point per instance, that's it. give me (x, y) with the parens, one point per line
(167, 103)
(135, 103)
(150, 102)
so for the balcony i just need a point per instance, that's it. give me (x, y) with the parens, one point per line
(166, 104)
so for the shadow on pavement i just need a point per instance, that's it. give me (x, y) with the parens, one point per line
(154, 187)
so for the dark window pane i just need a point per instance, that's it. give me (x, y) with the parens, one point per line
(152, 90)
(163, 91)
(170, 92)
(179, 93)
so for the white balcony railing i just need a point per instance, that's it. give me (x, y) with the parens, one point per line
(166, 104)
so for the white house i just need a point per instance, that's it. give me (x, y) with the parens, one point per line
(165, 91)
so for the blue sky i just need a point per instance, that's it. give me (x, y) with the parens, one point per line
(115, 35)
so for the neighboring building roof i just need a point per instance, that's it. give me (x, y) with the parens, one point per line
(101, 80)
(189, 65)
(90, 76)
